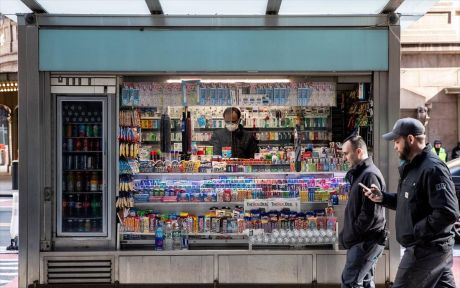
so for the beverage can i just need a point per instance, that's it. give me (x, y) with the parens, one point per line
(69, 144)
(75, 130)
(96, 130)
(81, 130)
(69, 164)
(83, 162)
(76, 163)
(85, 144)
(68, 130)
(89, 131)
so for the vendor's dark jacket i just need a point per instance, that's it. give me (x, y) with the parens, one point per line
(426, 204)
(363, 220)
(243, 143)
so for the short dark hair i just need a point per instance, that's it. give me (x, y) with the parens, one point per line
(230, 110)
(356, 142)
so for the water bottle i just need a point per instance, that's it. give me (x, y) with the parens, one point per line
(184, 239)
(176, 235)
(159, 236)
(168, 244)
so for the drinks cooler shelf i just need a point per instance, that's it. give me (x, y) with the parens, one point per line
(65, 152)
(81, 192)
(82, 170)
(83, 218)
(81, 137)
(78, 123)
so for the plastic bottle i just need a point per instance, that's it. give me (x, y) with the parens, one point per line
(78, 206)
(95, 207)
(94, 182)
(184, 239)
(176, 234)
(168, 244)
(85, 207)
(159, 236)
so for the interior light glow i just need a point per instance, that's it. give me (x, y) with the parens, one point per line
(231, 80)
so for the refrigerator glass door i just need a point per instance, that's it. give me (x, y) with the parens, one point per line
(82, 167)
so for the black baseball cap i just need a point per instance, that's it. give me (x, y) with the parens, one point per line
(404, 127)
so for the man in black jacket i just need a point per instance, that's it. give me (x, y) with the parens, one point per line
(363, 232)
(426, 208)
(242, 142)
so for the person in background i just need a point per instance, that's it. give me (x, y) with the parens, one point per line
(363, 232)
(456, 151)
(243, 143)
(426, 209)
(438, 150)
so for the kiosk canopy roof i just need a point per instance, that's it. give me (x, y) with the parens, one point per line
(215, 7)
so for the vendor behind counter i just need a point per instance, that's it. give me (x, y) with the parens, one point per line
(242, 142)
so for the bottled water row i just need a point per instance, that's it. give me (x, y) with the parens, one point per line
(295, 237)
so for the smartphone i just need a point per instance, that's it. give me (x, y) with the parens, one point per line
(364, 186)
(375, 192)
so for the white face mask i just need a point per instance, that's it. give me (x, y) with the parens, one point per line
(231, 126)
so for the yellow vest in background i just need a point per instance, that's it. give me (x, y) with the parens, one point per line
(442, 154)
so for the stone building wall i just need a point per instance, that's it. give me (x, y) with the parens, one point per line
(430, 62)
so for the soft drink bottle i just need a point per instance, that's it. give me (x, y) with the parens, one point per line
(78, 206)
(95, 206)
(65, 206)
(71, 205)
(85, 207)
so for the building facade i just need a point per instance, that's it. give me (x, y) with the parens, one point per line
(430, 71)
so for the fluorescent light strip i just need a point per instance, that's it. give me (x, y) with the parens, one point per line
(231, 80)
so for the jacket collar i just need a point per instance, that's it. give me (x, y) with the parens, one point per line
(417, 159)
(358, 169)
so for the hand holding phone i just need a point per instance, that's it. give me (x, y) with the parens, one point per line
(372, 193)
(364, 186)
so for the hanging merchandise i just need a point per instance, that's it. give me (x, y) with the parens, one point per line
(165, 133)
(188, 132)
(184, 132)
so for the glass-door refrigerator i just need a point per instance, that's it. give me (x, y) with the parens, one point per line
(82, 192)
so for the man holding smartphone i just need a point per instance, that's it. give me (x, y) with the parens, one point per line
(363, 232)
(426, 208)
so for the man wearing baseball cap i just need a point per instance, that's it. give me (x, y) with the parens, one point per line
(426, 208)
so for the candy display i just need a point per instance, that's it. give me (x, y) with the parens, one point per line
(237, 189)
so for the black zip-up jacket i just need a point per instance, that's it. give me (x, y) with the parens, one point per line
(426, 204)
(243, 143)
(364, 220)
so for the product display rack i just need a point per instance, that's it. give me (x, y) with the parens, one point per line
(207, 240)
